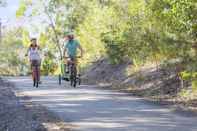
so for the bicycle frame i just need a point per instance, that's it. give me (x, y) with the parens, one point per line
(72, 69)
(73, 72)
(35, 75)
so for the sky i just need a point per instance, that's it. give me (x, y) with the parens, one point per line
(9, 20)
(7, 14)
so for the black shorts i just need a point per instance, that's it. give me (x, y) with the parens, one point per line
(35, 62)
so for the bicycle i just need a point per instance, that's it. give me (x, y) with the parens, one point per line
(72, 74)
(35, 73)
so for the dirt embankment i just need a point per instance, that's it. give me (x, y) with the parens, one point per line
(104, 72)
(18, 116)
(158, 84)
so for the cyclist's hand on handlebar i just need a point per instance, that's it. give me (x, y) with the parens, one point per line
(81, 56)
(66, 57)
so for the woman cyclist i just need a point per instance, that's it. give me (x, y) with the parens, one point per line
(34, 56)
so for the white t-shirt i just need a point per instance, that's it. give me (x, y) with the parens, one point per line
(34, 54)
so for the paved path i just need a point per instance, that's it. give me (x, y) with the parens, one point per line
(92, 109)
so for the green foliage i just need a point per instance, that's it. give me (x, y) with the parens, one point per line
(23, 7)
(42, 40)
(11, 56)
(26, 39)
(194, 85)
(21, 10)
(190, 76)
(186, 75)
(157, 31)
(113, 48)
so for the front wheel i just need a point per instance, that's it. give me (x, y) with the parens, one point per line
(71, 80)
(79, 82)
(73, 77)
(79, 79)
(37, 82)
(37, 76)
(34, 82)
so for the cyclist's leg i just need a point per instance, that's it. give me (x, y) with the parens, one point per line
(32, 68)
(74, 61)
(33, 73)
(67, 67)
(75, 71)
(76, 65)
(30, 65)
(38, 69)
(69, 63)
(33, 64)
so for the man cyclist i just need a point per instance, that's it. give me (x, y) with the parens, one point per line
(70, 49)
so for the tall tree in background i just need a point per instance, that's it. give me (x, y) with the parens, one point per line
(156, 31)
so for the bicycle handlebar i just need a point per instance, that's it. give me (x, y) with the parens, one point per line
(74, 57)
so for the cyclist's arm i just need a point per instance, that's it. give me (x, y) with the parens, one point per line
(64, 52)
(27, 52)
(39, 48)
(81, 50)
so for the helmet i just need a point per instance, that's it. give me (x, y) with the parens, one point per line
(68, 33)
(33, 39)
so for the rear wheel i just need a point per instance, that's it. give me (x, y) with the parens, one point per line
(74, 82)
(74, 77)
(79, 79)
(35, 82)
(79, 82)
(60, 79)
(71, 80)
(71, 77)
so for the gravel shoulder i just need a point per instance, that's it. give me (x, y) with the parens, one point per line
(18, 113)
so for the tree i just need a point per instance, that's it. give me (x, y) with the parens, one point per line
(142, 30)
